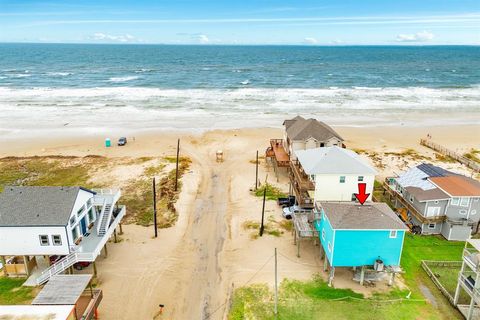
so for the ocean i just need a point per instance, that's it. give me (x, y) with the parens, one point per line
(94, 87)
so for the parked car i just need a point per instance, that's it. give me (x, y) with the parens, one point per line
(122, 141)
(286, 202)
(288, 212)
(78, 266)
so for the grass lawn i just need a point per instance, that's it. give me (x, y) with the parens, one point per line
(12, 292)
(448, 277)
(315, 300)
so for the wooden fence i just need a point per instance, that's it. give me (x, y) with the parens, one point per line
(432, 276)
(454, 155)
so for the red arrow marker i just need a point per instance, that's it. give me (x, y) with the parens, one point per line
(361, 195)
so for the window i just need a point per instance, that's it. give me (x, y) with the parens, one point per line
(91, 215)
(312, 177)
(44, 240)
(436, 202)
(342, 179)
(455, 201)
(473, 212)
(74, 234)
(393, 233)
(464, 202)
(431, 226)
(57, 240)
(322, 145)
(411, 199)
(72, 221)
(323, 234)
(463, 212)
(329, 246)
(89, 202)
(360, 178)
(353, 197)
(80, 211)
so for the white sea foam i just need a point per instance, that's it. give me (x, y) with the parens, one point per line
(123, 79)
(244, 107)
(59, 74)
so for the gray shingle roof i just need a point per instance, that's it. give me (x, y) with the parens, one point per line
(37, 206)
(426, 195)
(303, 129)
(352, 215)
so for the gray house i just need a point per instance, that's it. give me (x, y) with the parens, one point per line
(303, 134)
(438, 201)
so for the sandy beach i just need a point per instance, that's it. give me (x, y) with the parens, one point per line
(192, 267)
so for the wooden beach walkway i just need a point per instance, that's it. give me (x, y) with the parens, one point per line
(454, 155)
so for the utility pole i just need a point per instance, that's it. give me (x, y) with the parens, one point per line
(263, 207)
(176, 171)
(155, 208)
(276, 286)
(256, 173)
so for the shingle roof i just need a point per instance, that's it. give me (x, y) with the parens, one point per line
(458, 186)
(351, 215)
(303, 129)
(63, 289)
(426, 195)
(332, 160)
(37, 206)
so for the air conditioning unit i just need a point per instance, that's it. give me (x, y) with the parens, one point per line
(378, 266)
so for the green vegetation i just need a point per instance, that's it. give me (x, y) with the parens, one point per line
(79, 171)
(448, 277)
(473, 155)
(315, 300)
(273, 192)
(12, 292)
(270, 227)
(444, 158)
(138, 195)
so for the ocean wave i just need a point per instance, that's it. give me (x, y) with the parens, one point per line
(123, 79)
(59, 74)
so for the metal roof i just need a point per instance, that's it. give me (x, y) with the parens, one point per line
(458, 186)
(352, 215)
(37, 206)
(63, 289)
(332, 160)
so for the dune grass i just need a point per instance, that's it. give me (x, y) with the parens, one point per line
(273, 192)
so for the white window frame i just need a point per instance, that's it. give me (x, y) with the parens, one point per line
(329, 246)
(436, 202)
(44, 237)
(455, 201)
(473, 212)
(430, 226)
(344, 178)
(323, 234)
(393, 234)
(462, 204)
(463, 212)
(361, 178)
(56, 239)
(411, 199)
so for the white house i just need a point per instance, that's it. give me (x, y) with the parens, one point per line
(303, 134)
(335, 173)
(67, 221)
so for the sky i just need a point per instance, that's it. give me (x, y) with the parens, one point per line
(299, 22)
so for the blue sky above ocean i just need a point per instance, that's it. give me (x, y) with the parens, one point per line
(342, 22)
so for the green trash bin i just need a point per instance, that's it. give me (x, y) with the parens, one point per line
(108, 143)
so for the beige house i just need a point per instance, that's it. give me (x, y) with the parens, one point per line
(303, 134)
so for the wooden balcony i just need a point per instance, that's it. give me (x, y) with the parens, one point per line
(300, 177)
(413, 211)
(277, 152)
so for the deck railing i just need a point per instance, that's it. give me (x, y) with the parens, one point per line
(301, 177)
(89, 312)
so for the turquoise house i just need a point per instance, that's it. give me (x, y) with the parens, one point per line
(354, 235)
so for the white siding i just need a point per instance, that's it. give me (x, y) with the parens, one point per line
(329, 188)
(18, 241)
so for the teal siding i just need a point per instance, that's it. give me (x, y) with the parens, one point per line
(355, 248)
(326, 235)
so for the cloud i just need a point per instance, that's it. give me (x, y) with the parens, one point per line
(310, 40)
(337, 41)
(203, 39)
(422, 36)
(103, 37)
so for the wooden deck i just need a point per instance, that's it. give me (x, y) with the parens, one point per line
(277, 152)
(301, 177)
